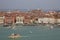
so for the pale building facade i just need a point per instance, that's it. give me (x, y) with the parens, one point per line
(58, 20)
(40, 20)
(2, 19)
(52, 20)
(46, 20)
(19, 19)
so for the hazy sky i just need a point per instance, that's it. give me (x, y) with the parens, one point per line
(29, 4)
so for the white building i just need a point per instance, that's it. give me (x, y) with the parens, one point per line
(40, 20)
(58, 20)
(45, 20)
(19, 19)
(52, 20)
(1, 19)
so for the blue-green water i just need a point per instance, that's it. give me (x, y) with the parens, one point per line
(31, 33)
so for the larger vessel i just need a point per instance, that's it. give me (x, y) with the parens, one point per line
(14, 35)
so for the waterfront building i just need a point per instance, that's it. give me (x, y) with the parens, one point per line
(19, 19)
(34, 16)
(27, 19)
(53, 17)
(45, 20)
(58, 18)
(40, 20)
(52, 20)
(9, 18)
(1, 18)
(35, 20)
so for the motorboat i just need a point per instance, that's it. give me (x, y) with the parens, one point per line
(14, 36)
(51, 27)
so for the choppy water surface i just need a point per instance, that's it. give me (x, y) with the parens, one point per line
(31, 33)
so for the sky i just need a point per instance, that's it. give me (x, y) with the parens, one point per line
(30, 4)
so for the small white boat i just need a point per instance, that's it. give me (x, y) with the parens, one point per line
(14, 35)
(13, 27)
(51, 27)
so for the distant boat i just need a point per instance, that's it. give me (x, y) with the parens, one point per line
(14, 36)
(13, 27)
(51, 27)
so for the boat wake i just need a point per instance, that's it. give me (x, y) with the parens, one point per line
(16, 37)
(24, 36)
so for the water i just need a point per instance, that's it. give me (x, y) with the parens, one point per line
(31, 33)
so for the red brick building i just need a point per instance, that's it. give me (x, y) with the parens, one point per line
(10, 18)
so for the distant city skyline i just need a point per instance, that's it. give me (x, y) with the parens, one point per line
(30, 4)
